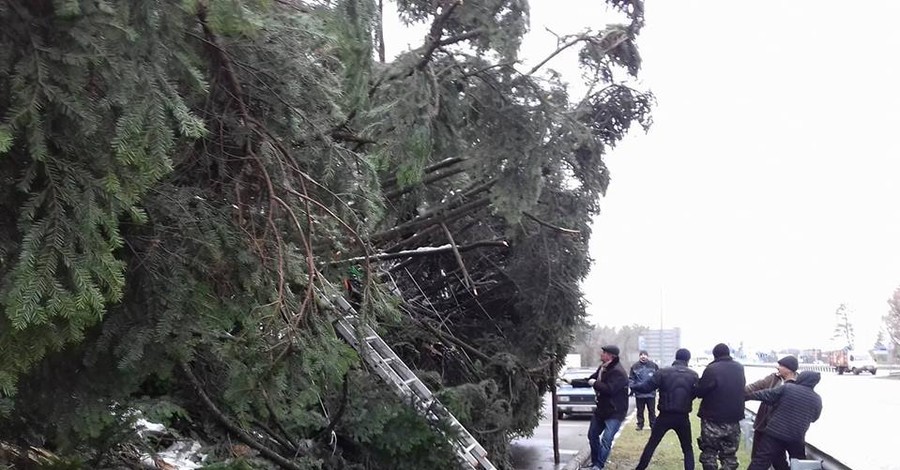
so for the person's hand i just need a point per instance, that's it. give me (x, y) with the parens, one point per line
(591, 382)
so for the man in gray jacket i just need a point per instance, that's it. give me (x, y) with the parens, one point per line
(794, 406)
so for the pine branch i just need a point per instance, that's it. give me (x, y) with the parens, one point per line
(245, 437)
(460, 37)
(549, 225)
(449, 337)
(421, 235)
(350, 137)
(341, 409)
(435, 34)
(296, 5)
(425, 251)
(391, 181)
(431, 219)
(467, 279)
(425, 182)
(284, 438)
(554, 54)
(230, 76)
(580, 38)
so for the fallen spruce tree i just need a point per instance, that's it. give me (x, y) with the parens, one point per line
(179, 179)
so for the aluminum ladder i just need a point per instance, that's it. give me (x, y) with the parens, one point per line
(385, 362)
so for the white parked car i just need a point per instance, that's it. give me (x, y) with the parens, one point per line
(572, 401)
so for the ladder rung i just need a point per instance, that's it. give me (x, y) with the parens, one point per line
(392, 369)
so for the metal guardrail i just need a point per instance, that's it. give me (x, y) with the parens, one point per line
(828, 462)
(812, 452)
(892, 368)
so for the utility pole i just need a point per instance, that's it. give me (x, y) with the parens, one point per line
(661, 302)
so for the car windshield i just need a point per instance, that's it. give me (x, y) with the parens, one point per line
(577, 373)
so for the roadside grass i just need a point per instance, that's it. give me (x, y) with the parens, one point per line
(628, 447)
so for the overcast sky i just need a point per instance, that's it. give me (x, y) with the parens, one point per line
(766, 193)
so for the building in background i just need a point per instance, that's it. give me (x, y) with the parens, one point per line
(660, 344)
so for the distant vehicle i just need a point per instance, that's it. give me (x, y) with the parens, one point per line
(571, 401)
(844, 360)
(861, 361)
(700, 361)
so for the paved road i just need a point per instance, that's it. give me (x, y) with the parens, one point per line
(536, 452)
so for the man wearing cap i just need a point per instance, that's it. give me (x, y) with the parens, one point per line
(795, 405)
(721, 389)
(786, 372)
(642, 371)
(610, 384)
(676, 398)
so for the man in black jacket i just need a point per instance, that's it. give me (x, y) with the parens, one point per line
(721, 388)
(610, 384)
(642, 371)
(787, 372)
(794, 406)
(676, 397)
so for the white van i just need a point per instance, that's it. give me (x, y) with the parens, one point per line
(861, 361)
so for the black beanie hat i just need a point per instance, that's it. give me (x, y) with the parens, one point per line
(790, 362)
(682, 355)
(721, 350)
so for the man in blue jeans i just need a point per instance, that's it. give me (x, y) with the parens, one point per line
(610, 384)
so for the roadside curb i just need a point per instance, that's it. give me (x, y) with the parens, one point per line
(584, 454)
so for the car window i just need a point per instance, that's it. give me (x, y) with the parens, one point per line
(577, 373)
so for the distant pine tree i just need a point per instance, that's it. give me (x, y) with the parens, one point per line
(843, 329)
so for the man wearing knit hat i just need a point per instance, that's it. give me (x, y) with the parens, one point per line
(721, 389)
(786, 372)
(676, 397)
(610, 384)
(795, 405)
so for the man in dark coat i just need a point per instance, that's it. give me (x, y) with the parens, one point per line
(787, 372)
(721, 389)
(676, 397)
(610, 384)
(642, 371)
(795, 406)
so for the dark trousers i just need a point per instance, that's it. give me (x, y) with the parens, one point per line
(650, 404)
(779, 461)
(678, 422)
(768, 449)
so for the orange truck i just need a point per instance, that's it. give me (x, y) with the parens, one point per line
(845, 360)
